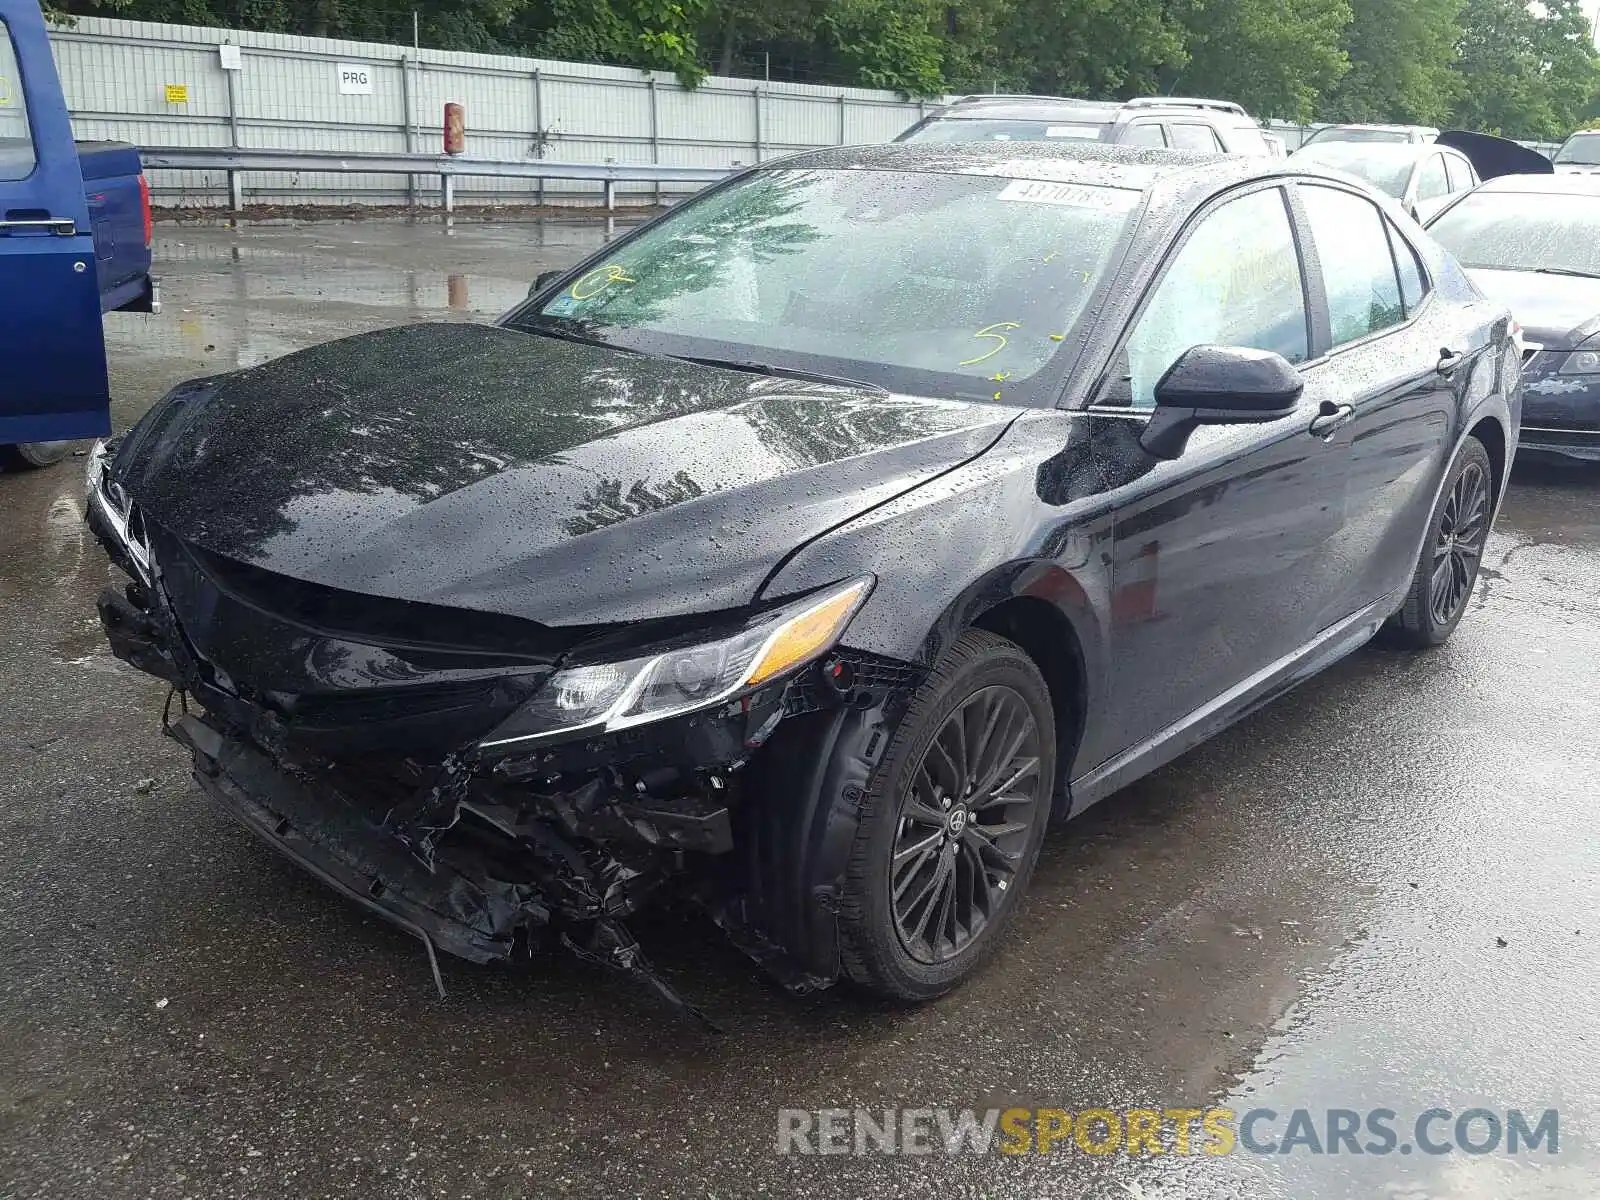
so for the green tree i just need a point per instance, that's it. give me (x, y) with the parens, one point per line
(1401, 54)
(1278, 58)
(1094, 48)
(892, 44)
(1524, 75)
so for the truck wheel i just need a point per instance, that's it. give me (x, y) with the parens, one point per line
(34, 454)
(951, 824)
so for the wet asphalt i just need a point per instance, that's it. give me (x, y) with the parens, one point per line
(1381, 892)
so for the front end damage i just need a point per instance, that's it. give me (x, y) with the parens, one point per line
(360, 756)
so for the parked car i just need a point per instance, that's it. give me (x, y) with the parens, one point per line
(1407, 134)
(1533, 242)
(65, 208)
(1421, 177)
(1580, 153)
(808, 548)
(1175, 122)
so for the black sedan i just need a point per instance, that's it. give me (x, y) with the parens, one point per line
(803, 553)
(1533, 242)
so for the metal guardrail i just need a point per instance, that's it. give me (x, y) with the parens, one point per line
(449, 168)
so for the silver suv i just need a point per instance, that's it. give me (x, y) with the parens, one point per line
(1174, 122)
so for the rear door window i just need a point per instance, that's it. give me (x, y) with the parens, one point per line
(1146, 133)
(1358, 269)
(17, 158)
(1432, 182)
(1195, 137)
(1461, 174)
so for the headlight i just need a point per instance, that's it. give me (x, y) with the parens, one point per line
(609, 696)
(95, 469)
(1581, 362)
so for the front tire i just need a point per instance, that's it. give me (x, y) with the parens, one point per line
(951, 824)
(34, 454)
(1448, 566)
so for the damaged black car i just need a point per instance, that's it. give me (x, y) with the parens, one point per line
(804, 553)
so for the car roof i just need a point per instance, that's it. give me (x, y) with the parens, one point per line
(1025, 107)
(1003, 107)
(1555, 185)
(1385, 128)
(1091, 163)
(1375, 151)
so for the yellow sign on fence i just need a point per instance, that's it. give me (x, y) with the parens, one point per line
(177, 93)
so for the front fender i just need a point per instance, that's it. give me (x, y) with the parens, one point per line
(1029, 520)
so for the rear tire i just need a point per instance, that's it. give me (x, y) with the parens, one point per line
(961, 798)
(34, 454)
(1447, 569)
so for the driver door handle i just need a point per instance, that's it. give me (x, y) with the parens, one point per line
(1331, 418)
(1449, 360)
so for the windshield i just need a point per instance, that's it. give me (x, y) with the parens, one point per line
(1382, 168)
(1523, 231)
(966, 129)
(1358, 135)
(918, 282)
(1582, 149)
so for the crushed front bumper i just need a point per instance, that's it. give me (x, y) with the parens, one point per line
(747, 810)
(332, 838)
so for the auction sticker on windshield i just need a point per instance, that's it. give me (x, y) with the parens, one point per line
(1073, 195)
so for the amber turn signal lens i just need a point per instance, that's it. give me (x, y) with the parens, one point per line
(807, 635)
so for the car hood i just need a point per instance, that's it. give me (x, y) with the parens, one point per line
(483, 468)
(1556, 311)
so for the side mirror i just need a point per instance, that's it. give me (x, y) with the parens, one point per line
(544, 280)
(1219, 385)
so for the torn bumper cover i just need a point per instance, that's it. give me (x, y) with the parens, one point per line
(471, 916)
(747, 808)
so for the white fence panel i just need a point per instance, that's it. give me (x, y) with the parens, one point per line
(164, 85)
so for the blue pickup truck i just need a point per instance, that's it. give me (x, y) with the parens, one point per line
(74, 243)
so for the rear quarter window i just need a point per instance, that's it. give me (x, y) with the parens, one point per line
(1194, 137)
(1246, 139)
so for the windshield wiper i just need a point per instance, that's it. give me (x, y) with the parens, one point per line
(1566, 271)
(761, 368)
(540, 329)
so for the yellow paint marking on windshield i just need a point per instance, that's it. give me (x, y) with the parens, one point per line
(1058, 337)
(588, 286)
(1000, 376)
(989, 331)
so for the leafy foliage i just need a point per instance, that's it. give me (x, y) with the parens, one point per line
(1276, 57)
(1496, 65)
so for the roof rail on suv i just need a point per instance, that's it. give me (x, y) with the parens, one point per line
(1022, 96)
(1227, 106)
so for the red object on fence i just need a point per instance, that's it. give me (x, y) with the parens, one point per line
(455, 128)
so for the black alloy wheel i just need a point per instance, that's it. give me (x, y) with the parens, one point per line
(965, 824)
(951, 822)
(1459, 545)
(1447, 569)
